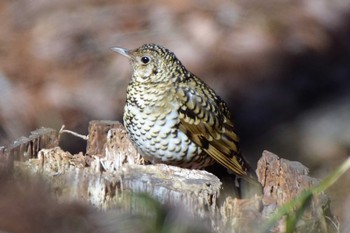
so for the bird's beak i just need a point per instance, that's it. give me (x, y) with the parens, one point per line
(122, 51)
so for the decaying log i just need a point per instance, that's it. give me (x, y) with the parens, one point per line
(162, 180)
(283, 180)
(97, 136)
(27, 147)
(195, 190)
(113, 169)
(118, 149)
(6, 161)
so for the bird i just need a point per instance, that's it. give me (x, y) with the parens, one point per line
(175, 118)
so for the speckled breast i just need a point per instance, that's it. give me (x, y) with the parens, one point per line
(152, 127)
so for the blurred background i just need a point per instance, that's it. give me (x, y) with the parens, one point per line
(282, 66)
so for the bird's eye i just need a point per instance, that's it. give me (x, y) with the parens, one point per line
(145, 60)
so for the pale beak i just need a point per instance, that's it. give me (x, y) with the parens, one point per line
(122, 51)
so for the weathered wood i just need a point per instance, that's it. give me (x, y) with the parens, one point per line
(117, 169)
(119, 150)
(114, 169)
(197, 191)
(283, 180)
(28, 147)
(98, 136)
(6, 161)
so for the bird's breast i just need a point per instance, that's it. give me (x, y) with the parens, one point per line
(151, 119)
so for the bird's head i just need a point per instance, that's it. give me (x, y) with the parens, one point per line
(151, 63)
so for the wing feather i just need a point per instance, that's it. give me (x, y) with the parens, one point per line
(205, 119)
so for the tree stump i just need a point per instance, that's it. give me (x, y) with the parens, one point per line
(112, 170)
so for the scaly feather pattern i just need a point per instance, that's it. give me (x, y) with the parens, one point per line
(173, 117)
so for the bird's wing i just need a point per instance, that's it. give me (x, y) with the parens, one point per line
(205, 119)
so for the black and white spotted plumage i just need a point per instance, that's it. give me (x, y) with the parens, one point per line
(173, 117)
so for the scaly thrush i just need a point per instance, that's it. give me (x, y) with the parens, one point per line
(173, 117)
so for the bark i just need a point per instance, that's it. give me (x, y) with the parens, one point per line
(112, 170)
